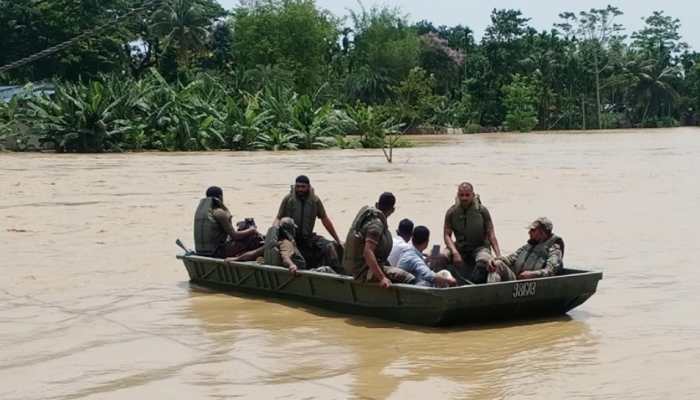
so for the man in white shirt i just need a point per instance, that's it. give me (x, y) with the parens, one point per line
(402, 241)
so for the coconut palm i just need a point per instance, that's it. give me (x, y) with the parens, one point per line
(183, 26)
(650, 84)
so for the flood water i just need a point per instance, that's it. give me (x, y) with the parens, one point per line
(94, 305)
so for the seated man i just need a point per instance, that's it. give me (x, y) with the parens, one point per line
(368, 244)
(413, 262)
(214, 235)
(541, 256)
(401, 241)
(281, 248)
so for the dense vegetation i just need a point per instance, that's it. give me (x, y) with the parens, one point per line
(284, 74)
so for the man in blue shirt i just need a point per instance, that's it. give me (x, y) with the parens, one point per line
(413, 261)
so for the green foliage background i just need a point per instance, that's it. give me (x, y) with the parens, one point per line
(285, 74)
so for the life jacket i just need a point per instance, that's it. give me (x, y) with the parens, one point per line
(535, 256)
(473, 217)
(353, 258)
(303, 212)
(208, 235)
(271, 252)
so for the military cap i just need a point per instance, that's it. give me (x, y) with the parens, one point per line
(543, 222)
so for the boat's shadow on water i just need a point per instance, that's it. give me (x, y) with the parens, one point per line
(363, 321)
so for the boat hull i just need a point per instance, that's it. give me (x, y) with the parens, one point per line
(403, 303)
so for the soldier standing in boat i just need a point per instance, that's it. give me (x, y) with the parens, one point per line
(369, 243)
(541, 256)
(214, 235)
(304, 207)
(472, 226)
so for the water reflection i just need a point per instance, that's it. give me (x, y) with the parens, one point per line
(369, 358)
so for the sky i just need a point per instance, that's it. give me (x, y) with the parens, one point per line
(543, 13)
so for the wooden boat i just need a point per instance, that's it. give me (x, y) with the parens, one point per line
(404, 303)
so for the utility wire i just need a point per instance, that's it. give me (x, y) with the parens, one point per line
(68, 43)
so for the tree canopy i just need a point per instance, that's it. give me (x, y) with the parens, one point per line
(265, 56)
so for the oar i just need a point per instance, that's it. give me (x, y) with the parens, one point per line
(188, 252)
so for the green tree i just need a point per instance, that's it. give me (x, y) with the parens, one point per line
(28, 27)
(521, 102)
(385, 48)
(597, 31)
(651, 88)
(415, 102)
(502, 47)
(660, 39)
(443, 54)
(220, 47)
(656, 66)
(292, 35)
(183, 26)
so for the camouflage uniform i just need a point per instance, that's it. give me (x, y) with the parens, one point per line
(370, 224)
(470, 227)
(316, 249)
(279, 242)
(545, 259)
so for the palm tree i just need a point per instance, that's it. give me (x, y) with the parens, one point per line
(651, 83)
(183, 26)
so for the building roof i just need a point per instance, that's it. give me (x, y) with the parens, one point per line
(8, 92)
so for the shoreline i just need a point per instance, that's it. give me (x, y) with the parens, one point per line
(415, 139)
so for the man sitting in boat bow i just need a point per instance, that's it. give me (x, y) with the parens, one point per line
(541, 256)
(214, 235)
(369, 243)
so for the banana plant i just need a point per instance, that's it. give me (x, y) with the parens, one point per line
(312, 125)
(277, 139)
(244, 122)
(9, 119)
(187, 119)
(77, 117)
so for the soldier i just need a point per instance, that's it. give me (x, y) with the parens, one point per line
(281, 248)
(472, 226)
(304, 207)
(214, 235)
(541, 256)
(369, 243)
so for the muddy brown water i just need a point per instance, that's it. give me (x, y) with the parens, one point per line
(93, 304)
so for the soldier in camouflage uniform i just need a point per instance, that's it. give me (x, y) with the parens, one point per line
(281, 248)
(369, 243)
(304, 207)
(541, 256)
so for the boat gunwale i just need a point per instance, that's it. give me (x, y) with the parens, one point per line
(571, 272)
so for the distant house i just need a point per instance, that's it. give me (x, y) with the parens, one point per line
(8, 92)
